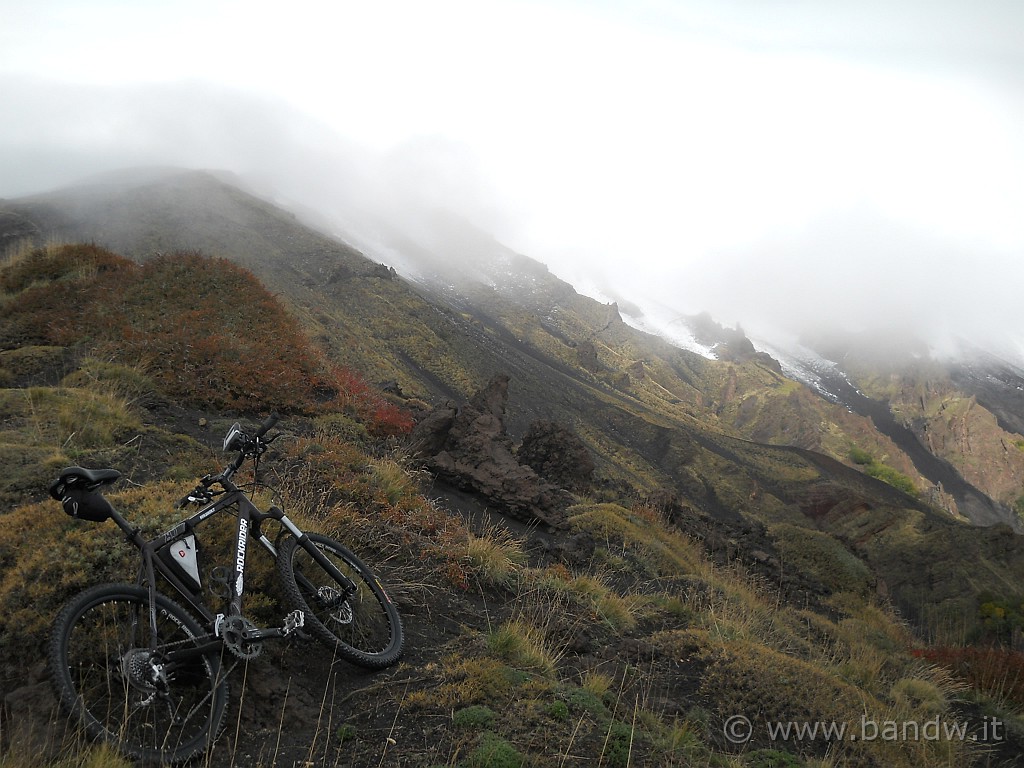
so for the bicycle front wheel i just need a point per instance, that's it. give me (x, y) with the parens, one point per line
(159, 704)
(363, 627)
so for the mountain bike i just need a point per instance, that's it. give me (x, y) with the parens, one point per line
(136, 669)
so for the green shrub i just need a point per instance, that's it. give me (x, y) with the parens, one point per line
(860, 456)
(618, 746)
(494, 752)
(894, 478)
(558, 710)
(882, 472)
(582, 700)
(345, 732)
(476, 716)
(1000, 618)
(824, 557)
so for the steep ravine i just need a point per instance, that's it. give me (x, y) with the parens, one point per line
(971, 502)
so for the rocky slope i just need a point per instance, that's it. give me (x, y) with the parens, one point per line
(653, 416)
(959, 462)
(958, 417)
(611, 585)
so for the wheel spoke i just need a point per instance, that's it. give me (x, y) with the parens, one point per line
(361, 626)
(126, 693)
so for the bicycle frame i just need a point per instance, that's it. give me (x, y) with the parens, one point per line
(250, 520)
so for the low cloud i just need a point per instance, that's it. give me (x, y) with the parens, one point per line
(852, 272)
(787, 165)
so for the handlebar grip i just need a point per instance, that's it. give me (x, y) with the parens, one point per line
(184, 501)
(266, 425)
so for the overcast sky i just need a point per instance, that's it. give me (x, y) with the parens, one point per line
(777, 162)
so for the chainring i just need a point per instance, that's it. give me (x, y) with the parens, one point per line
(231, 631)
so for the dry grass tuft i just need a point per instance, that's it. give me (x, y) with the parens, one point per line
(525, 646)
(495, 557)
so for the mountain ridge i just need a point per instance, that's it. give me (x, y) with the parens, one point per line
(696, 568)
(647, 409)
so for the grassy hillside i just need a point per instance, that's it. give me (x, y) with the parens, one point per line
(703, 577)
(655, 417)
(499, 312)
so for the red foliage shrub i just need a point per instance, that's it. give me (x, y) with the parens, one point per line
(355, 396)
(388, 419)
(60, 294)
(205, 329)
(209, 331)
(994, 671)
(49, 264)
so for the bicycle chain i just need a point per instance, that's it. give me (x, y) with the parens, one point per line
(223, 674)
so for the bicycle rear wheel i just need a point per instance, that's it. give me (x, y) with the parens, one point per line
(364, 628)
(152, 704)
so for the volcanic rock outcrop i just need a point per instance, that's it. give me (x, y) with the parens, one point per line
(468, 447)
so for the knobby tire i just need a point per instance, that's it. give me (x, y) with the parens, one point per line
(365, 629)
(146, 704)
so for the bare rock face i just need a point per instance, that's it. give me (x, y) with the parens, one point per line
(429, 436)
(469, 448)
(558, 455)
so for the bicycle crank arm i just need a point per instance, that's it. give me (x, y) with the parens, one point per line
(292, 622)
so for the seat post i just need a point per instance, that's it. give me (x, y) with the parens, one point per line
(131, 533)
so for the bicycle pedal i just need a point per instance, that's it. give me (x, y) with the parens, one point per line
(293, 622)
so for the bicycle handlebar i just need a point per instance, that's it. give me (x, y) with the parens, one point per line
(266, 426)
(199, 492)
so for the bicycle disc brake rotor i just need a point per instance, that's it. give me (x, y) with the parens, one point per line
(341, 611)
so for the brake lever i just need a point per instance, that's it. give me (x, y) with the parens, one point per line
(201, 494)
